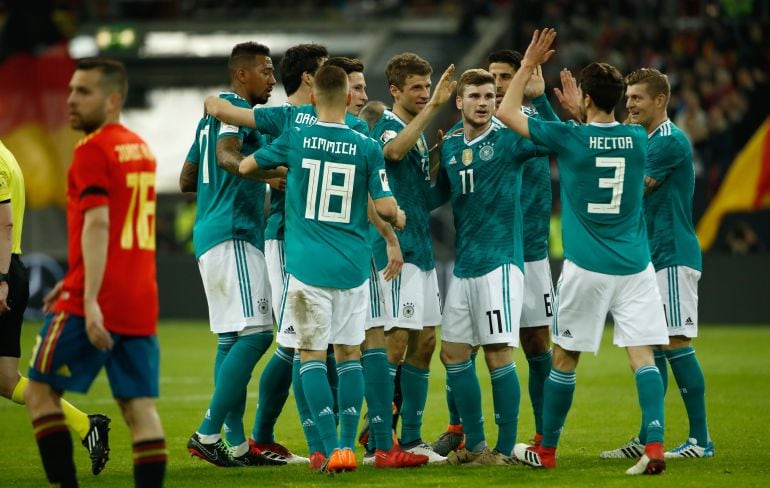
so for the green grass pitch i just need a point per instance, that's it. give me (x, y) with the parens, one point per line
(604, 415)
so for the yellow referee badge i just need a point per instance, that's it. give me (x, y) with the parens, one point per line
(467, 156)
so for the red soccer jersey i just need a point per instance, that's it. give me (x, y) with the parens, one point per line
(114, 167)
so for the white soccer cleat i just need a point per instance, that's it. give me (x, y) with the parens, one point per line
(645, 465)
(426, 450)
(632, 449)
(691, 449)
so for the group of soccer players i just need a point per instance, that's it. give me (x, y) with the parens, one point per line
(344, 263)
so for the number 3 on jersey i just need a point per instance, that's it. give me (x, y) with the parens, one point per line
(140, 214)
(336, 181)
(615, 183)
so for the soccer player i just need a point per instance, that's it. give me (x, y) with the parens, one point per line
(607, 265)
(481, 175)
(107, 307)
(228, 240)
(669, 184)
(14, 293)
(536, 312)
(331, 169)
(297, 69)
(381, 451)
(412, 298)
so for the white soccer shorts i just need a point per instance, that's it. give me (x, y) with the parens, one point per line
(537, 309)
(314, 317)
(486, 309)
(275, 257)
(585, 297)
(412, 299)
(378, 315)
(679, 290)
(237, 288)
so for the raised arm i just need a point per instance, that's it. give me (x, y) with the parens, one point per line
(538, 52)
(188, 178)
(225, 111)
(396, 149)
(569, 96)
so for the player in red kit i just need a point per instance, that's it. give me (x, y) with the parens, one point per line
(105, 311)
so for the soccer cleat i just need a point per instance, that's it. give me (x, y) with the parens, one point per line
(534, 456)
(317, 460)
(217, 453)
(339, 461)
(255, 457)
(369, 458)
(420, 447)
(463, 456)
(651, 462)
(447, 442)
(275, 450)
(691, 449)
(492, 457)
(536, 441)
(632, 449)
(397, 458)
(97, 442)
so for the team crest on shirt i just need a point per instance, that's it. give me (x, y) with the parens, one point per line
(263, 307)
(486, 152)
(408, 310)
(467, 156)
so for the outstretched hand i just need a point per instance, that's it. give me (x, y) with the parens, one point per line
(536, 84)
(539, 50)
(569, 95)
(444, 88)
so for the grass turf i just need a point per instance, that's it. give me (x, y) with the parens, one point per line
(604, 415)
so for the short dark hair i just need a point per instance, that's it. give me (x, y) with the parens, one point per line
(605, 85)
(302, 58)
(350, 65)
(403, 65)
(474, 77)
(330, 83)
(657, 83)
(506, 56)
(114, 75)
(372, 112)
(243, 55)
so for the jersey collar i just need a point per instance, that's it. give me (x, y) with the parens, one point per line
(658, 128)
(331, 124)
(479, 137)
(605, 124)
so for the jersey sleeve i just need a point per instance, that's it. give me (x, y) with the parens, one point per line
(90, 177)
(544, 109)
(551, 134)
(377, 177)
(230, 130)
(662, 157)
(272, 120)
(276, 153)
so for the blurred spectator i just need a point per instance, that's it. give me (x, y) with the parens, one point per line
(741, 239)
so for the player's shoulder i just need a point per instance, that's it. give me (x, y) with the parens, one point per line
(670, 138)
(235, 99)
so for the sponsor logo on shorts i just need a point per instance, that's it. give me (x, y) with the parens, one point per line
(688, 321)
(408, 310)
(289, 330)
(64, 370)
(566, 333)
(263, 307)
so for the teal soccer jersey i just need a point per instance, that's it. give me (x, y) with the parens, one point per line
(410, 182)
(229, 207)
(601, 168)
(482, 179)
(332, 170)
(668, 209)
(273, 121)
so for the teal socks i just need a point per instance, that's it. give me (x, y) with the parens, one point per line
(662, 364)
(650, 389)
(376, 379)
(230, 389)
(506, 394)
(414, 387)
(692, 386)
(318, 394)
(309, 427)
(557, 400)
(454, 415)
(350, 399)
(273, 391)
(462, 378)
(539, 369)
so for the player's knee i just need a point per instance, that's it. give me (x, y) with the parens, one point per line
(677, 342)
(534, 340)
(396, 342)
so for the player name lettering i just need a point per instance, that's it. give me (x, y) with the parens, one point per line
(335, 147)
(133, 152)
(610, 143)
